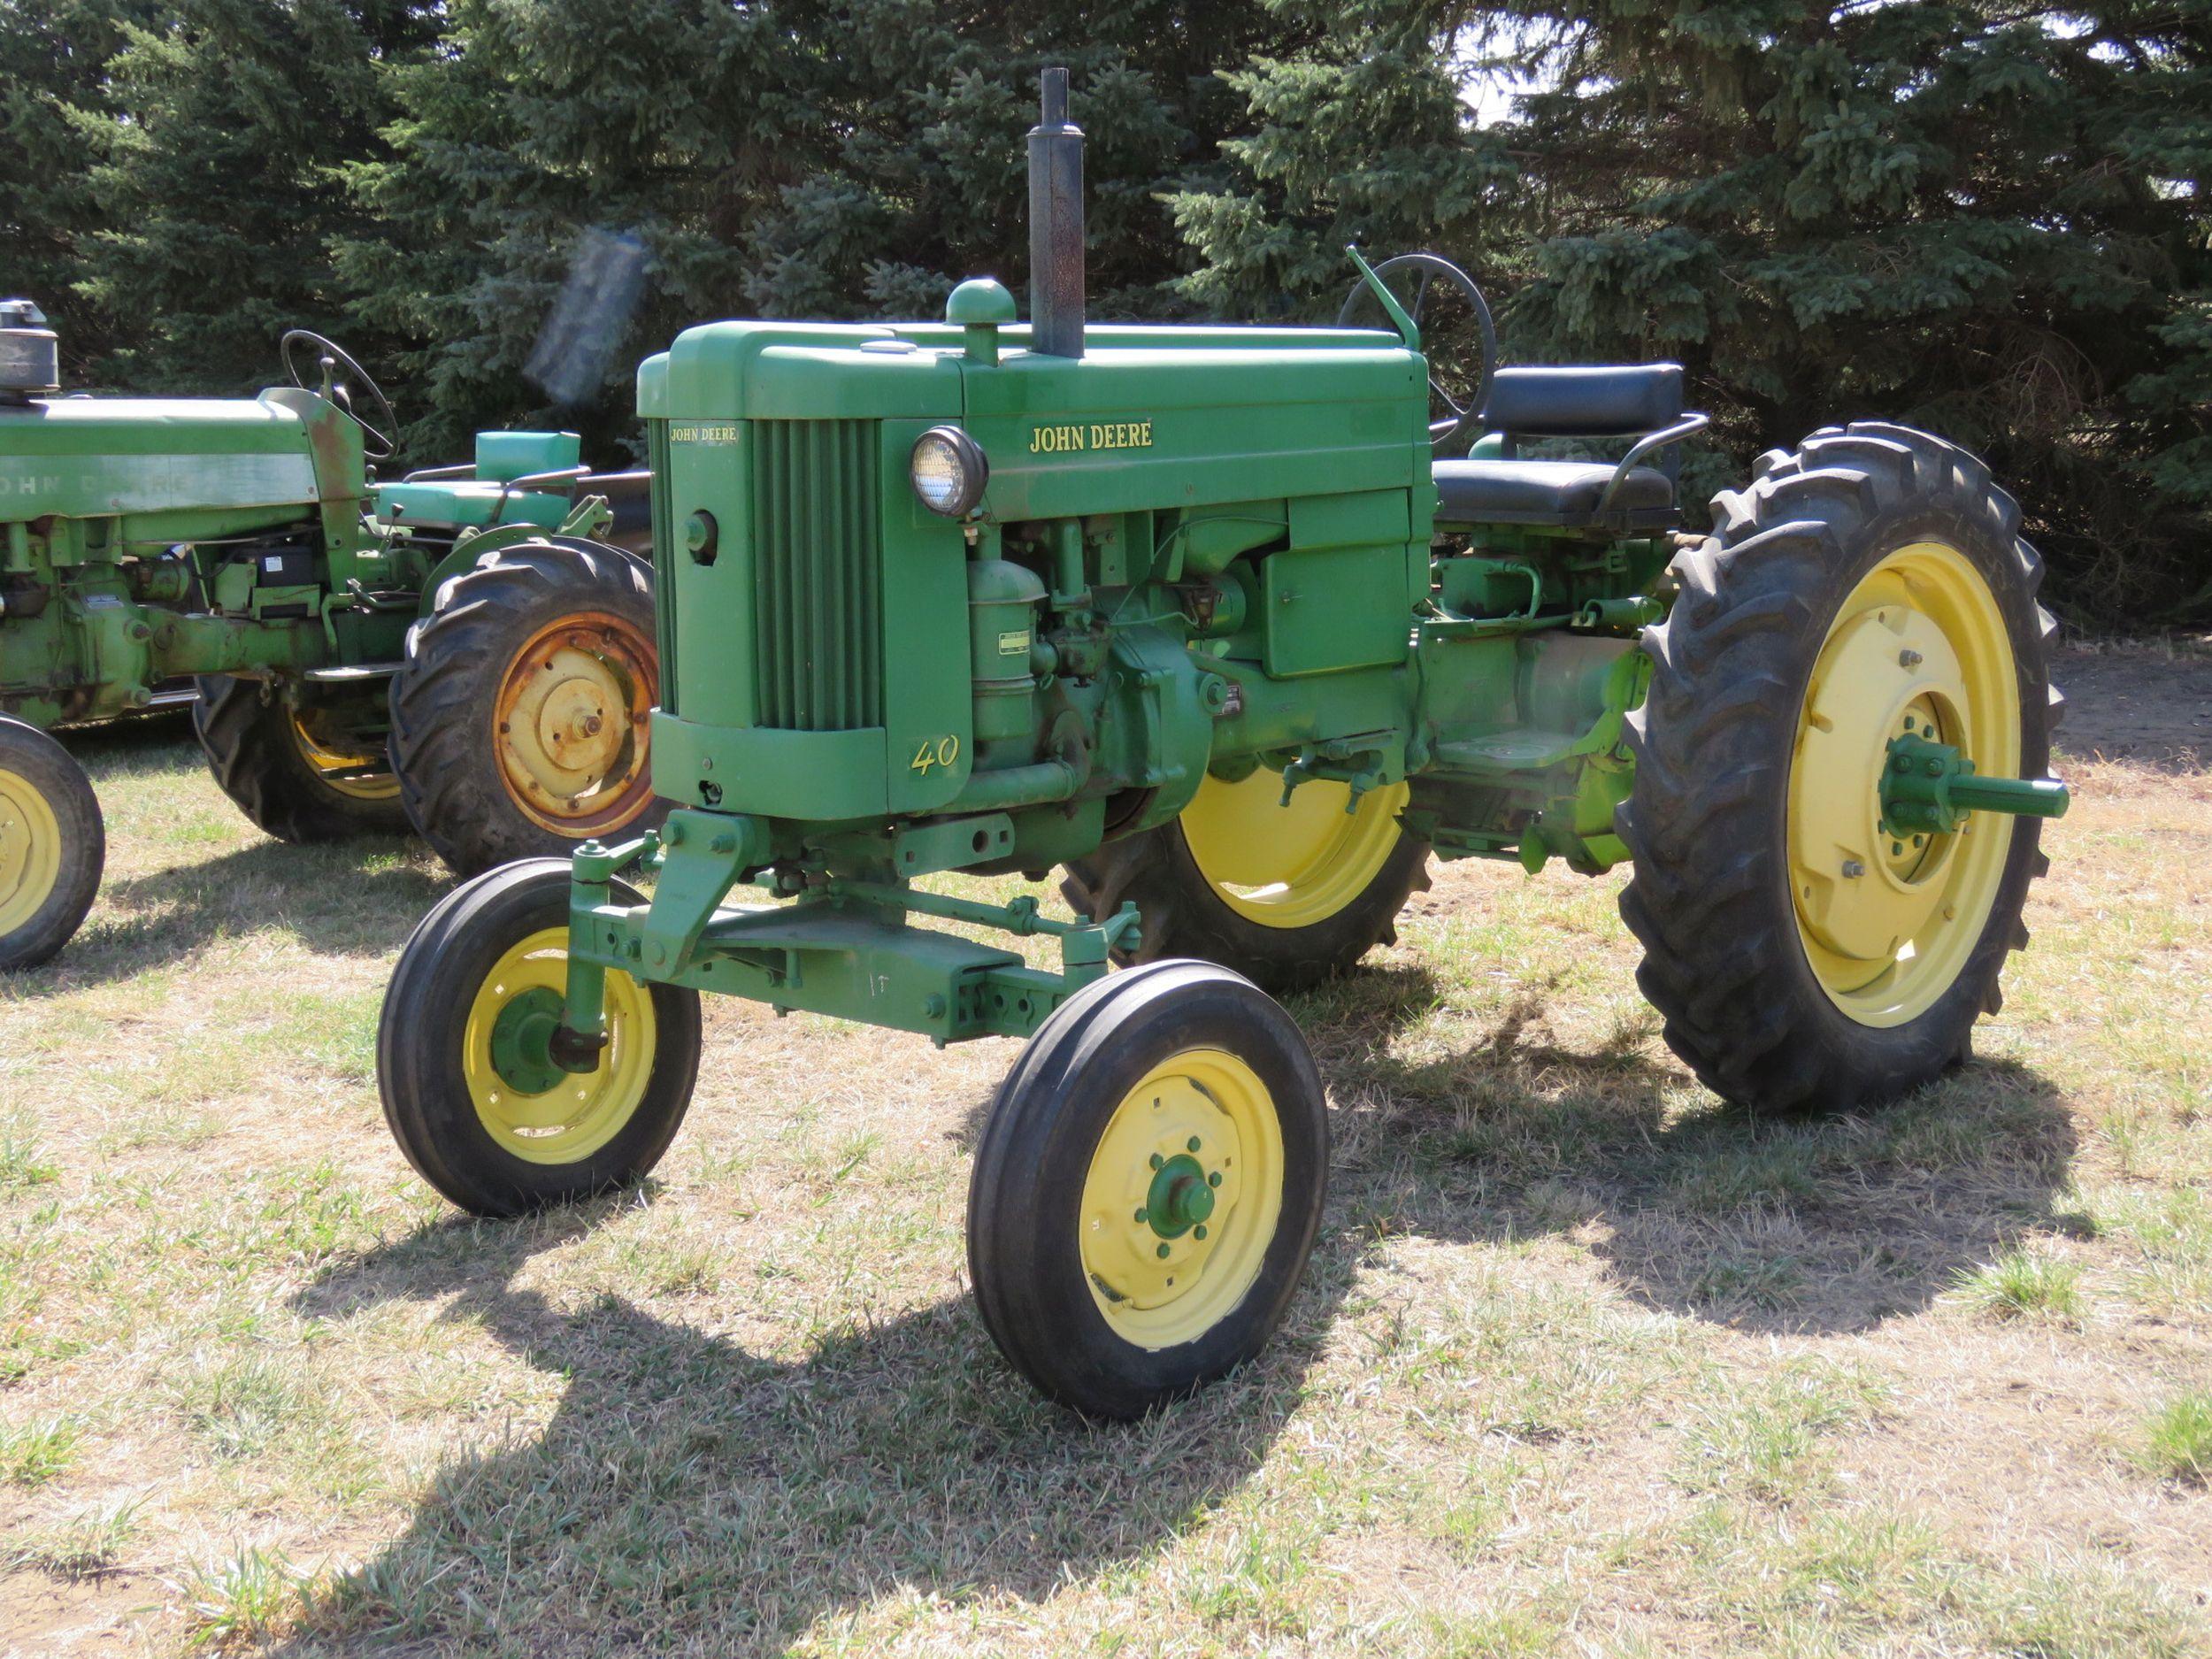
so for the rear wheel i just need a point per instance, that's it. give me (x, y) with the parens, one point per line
(519, 719)
(1806, 952)
(470, 1097)
(1148, 1187)
(52, 845)
(305, 765)
(1287, 895)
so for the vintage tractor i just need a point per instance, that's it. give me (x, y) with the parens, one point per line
(468, 650)
(1198, 615)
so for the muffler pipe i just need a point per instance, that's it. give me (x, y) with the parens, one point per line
(1055, 225)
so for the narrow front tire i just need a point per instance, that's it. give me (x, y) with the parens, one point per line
(494, 1132)
(1148, 1189)
(52, 845)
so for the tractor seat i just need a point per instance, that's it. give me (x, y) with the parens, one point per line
(1642, 401)
(1546, 492)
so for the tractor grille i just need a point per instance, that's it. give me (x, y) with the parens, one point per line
(817, 582)
(663, 558)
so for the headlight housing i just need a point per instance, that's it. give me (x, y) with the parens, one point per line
(949, 471)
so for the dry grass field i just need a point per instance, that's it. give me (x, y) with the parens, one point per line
(1586, 1363)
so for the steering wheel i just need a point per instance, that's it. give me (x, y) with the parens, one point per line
(1458, 388)
(337, 377)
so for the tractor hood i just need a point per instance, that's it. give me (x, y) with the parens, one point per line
(87, 458)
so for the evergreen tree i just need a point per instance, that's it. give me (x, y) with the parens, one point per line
(1361, 137)
(219, 183)
(1990, 220)
(54, 92)
(790, 158)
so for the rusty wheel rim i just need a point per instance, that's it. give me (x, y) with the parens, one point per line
(570, 723)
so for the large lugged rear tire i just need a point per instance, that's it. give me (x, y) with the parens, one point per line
(519, 718)
(1148, 1187)
(493, 952)
(1872, 585)
(1286, 897)
(52, 845)
(285, 757)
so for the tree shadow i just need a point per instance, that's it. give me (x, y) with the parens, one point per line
(1764, 1223)
(728, 1500)
(354, 898)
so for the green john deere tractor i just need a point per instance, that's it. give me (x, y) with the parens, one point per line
(1226, 623)
(468, 650)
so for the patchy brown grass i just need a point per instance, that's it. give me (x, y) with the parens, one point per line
(1585, 1364)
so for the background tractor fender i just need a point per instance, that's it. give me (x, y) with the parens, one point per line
(472, 549)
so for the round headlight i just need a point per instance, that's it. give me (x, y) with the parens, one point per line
(949, 471)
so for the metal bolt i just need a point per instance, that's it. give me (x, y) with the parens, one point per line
(1144, 1215)
(1214, 1179)
(1198, 1231)
(1161, 1252)
(1909, 659)
(1158, 1160)
(1896, 850)
(1853, 869)
(1191, 1143)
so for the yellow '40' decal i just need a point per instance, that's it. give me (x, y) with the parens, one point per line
(943, 752)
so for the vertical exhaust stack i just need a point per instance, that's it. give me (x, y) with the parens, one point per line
(1055, 225)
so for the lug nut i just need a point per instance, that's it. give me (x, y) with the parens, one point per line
(1909, 659)
(1853, 869)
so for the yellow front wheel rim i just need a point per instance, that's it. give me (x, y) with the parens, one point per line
(1182, 1198)
(30, 851)
(581, 1113)
(1889, 922)
(1294, 866)
(342, 768)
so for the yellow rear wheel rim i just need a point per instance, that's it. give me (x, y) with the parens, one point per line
(343, 767)
(571, 721)
(1294, 866)
(1888, 921)
(30, 851)
(1200, 1116)
(569, 1122)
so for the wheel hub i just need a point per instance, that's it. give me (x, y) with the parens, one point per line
(570, 723)
(1163, 1186)
(1885, 674)
(1891, 899)
(529, 1105)
(30, 850)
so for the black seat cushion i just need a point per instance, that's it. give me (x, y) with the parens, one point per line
(1545, 492)
(1609, 401)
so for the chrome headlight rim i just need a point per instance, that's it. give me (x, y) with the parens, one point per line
(971, 464)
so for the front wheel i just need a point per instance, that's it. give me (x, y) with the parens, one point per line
(1867, 607)
(467, 1091)
(1148, 1187)
(52, 845)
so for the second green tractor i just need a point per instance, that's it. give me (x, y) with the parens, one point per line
(468, 650)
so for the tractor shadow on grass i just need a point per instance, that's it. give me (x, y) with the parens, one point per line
(357, 897)
(353, 898)
(1696, 1208)
(699, 1496)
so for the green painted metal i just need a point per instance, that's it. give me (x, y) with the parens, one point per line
(144, 541)
(1181, 1196)
(1931, 788)
(1198, 550)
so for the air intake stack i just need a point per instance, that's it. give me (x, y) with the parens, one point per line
(1055, 225)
